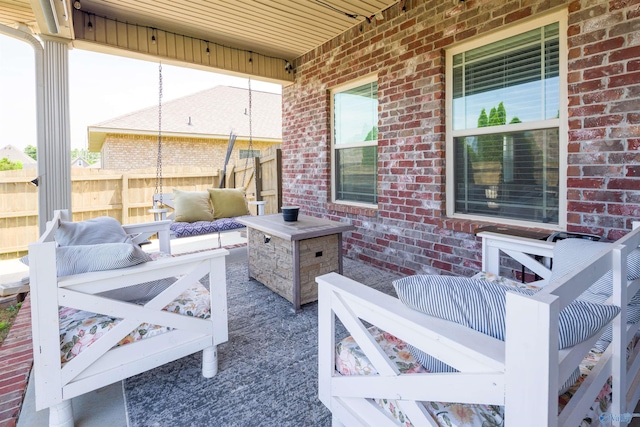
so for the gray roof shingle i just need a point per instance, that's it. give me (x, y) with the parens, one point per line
(212, 112)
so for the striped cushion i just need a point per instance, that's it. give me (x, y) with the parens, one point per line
(480, 305)
(185, 229)
(107, 256)
(93, 231)
(565, 261)
(633, 317)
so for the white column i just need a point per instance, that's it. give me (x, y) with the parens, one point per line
(54, 148)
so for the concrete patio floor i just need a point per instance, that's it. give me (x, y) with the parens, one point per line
(106, 406)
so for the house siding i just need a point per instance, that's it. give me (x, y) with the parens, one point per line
(122, 151)
(410, 232)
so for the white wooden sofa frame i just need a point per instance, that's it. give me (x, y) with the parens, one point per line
(490, 370)
(101, 363)
(166, 199)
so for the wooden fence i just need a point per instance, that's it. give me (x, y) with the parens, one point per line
(124, 195)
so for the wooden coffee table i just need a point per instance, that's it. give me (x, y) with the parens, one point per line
(288, 256)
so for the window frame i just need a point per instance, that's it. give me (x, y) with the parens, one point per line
(342, 88)
(246, 153)
(561, 123)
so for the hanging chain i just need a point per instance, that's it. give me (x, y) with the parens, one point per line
(250, 150)
(159, 160)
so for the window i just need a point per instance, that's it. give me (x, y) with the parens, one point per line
(505, 137)
(244, 154)
(355, 142)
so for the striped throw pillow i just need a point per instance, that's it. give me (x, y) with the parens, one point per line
(480, 305)
(93, 231)
(107, 256)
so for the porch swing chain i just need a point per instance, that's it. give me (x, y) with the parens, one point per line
(159, 160)
(250, 148)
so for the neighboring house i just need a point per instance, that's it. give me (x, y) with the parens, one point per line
(80, 162)
(13, 154)
(195, 130)
(425, 126)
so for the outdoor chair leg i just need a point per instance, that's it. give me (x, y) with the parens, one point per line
(61, 415)
(209, 362)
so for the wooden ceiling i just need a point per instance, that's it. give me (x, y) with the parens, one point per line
(281, 28)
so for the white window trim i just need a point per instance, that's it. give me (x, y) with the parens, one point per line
(561, 17)
(341, 88)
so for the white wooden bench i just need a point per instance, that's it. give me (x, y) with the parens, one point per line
(521, 374)
(112, 353)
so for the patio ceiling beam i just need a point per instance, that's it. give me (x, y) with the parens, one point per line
(96, 33)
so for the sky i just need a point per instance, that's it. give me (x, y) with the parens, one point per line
(101, 87)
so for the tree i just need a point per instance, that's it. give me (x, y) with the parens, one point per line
(90, 157)
(490, 146)
(31, 151)
(7, 165)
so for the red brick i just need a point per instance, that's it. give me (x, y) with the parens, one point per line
(624, 54)
(624, 80)
(633, 171)
(605, 71)
(589, 110)
(624, 184)
(587, 86)
(625, 132)
(603, 96)
(585, 183)
(602, 121)
(587, 62)
(624, 209)
(586, 207)
(604, 46)
(586, 134)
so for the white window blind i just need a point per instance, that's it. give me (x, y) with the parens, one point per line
(355, 138)
(510, 83)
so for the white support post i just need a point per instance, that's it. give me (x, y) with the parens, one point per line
(54, 148)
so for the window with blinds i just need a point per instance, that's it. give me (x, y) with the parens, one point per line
(247, 154)
(505, 105)
(355, 143)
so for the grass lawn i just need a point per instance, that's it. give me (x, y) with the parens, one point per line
(7, 316)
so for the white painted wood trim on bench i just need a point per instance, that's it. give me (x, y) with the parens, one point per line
(523, 373)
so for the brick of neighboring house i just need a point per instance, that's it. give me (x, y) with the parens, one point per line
(122, 151)
(16, 360)
(409, 232)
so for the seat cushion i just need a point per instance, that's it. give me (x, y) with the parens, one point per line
(565, 261)
(185, 229)
(79, 329)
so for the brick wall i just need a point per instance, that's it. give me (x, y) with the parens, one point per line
(122, 151)
(410, 231)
